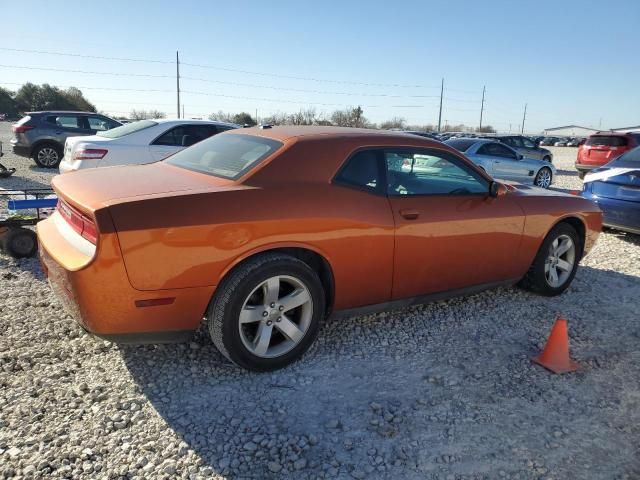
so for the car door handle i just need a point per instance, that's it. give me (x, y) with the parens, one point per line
(410, 214)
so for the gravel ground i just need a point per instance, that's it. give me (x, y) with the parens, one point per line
(442, 391)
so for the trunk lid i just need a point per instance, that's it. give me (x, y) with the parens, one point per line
(71, 144)
(95, 188)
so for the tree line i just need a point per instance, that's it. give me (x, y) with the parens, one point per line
(348, 117)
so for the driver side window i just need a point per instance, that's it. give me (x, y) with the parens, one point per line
(427, 172)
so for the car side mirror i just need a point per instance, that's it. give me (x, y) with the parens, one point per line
(520, 156)
(497, 189)
(188, 140)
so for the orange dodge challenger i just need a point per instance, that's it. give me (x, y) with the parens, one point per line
(266, 231)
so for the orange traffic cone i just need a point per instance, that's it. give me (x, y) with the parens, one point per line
(555, 356)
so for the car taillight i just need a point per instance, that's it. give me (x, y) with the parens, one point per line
(89, 154)
(79, 222)
(22, 128)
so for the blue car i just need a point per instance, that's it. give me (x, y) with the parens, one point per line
(615, 187)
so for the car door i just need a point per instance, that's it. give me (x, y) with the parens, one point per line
(66, 125)
(450, 234)
(530, 149)
(506, 163)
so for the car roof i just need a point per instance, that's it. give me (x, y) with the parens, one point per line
(613, 134)
(288, 132)
(74, 112)
(179, 121)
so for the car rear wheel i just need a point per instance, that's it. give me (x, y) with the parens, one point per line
(267, 312)
(581, 174)
(543, 178)
(47, 155)
(556, 262)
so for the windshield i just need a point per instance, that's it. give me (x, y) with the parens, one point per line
(631, 159)
(127, 129)
(461, 145)
(225, 155)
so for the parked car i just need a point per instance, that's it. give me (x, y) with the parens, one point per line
(602, 147)
(615, 187)
(561, 142)
(139, 142)
(525, 146)
(421, 134)
(548, 141)
(267, 231)
(576, 142)
(504, 162)
(41, 135)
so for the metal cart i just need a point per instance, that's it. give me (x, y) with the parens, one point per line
(20, 209)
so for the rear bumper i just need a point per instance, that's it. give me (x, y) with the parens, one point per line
(618, 214)
(581, 167)
(96, 292)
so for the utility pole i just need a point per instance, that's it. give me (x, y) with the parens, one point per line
(440, 114)
(183, 111)
(482, 108)
(178, 81)
(524, 118)
(257, 122)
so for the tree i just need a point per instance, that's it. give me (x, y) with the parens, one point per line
(350, 117)
(144, 114)
(242, 118)
(45, 97)
(486, 129)
(8, 103)
(395, 122)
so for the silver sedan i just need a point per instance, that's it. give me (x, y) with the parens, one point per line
(502, 161)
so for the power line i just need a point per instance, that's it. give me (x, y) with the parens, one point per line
(117, 74)
(216, 67)
(79, 55)
(239, 97)
(220, 82)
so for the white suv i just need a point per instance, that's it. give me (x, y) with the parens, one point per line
(145, 141)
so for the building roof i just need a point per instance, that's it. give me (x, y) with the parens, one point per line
(570, 126)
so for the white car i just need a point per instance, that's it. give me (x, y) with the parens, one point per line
(145, 141)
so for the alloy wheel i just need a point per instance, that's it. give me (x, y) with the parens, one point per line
(275, 316)
(560, 261)
(48, 156)
(543, 179)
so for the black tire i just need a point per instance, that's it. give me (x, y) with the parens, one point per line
(47, 155)
(20, 242)
(535, 280)
(224, 310)
(581, 174)
(539, 174)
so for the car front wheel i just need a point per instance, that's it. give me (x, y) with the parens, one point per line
(556, 262)
(543, 178)
(47, 155)
(267, 312)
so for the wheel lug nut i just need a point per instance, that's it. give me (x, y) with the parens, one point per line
(281, 308)
(278, 319)
(273, 304)
(265, 314)
(269, 323)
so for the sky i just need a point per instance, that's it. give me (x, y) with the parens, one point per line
(570, 62)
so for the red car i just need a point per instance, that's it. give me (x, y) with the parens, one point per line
(602, 147)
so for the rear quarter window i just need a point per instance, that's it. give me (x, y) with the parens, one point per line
(607, 141)
(226, 156)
